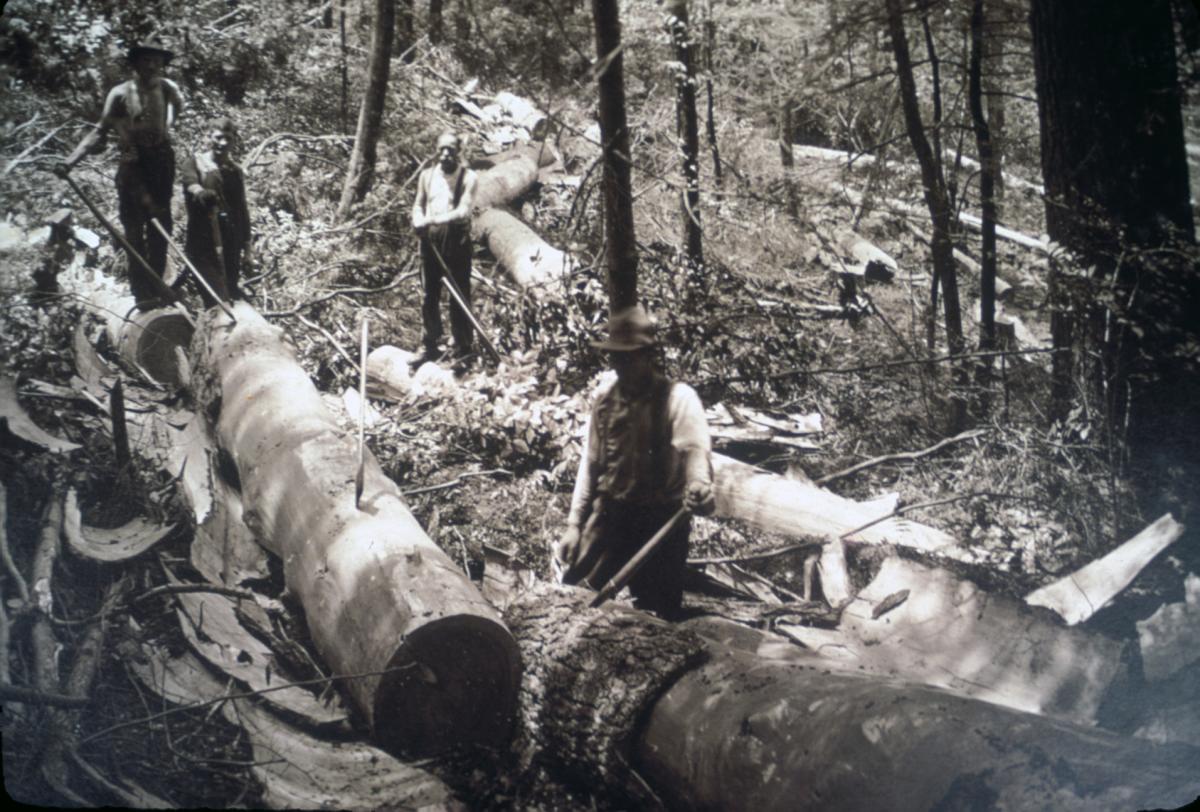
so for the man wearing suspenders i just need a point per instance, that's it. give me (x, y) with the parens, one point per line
(441, 216)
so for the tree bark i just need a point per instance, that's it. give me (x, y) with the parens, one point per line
(1117, 198)
(405, 33)
(532, 262)
(687, 130)
(619, 237)
(936, 199)
(434, 665)
(435, 22)
(370, 115)
(987, 183)
(710, 45)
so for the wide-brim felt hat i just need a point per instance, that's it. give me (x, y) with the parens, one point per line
(153, 45)
(629, 329)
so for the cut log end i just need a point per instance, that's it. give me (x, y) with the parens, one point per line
(453, 682)
(149, 339)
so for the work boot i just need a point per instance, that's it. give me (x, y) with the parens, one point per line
(428, 354)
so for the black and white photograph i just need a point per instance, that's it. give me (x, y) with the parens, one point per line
(600, 405)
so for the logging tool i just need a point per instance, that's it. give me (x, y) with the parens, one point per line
(156, 282)
(627, 572)
(196, 275)
(452, 286)
(362, 415)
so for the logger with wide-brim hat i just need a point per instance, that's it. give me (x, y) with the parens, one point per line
(141, 111)
(646, 454)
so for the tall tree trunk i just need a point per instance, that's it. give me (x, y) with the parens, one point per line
(787, 159)
(987, 198)
(405, 32)
(687, 130)
(935, 198)
(1117, 197)
(620, 240)
(710, 45)
(435, 22)
(370, 115)
(462, 20)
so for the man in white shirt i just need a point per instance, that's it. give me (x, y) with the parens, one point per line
(441, 216)
(646, 454)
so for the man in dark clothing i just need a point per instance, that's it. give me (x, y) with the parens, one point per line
(646, 454)
(218, 234)
(141, 110)
(441, 216)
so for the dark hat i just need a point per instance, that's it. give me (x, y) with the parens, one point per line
(628, 329)
(152, 45)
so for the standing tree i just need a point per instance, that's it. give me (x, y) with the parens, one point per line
(710, 45)
(1117, 198)
(405, 33)
(687, 130)
(435, 22)
(370, 115)
(936, 198)
(620, 241)
(987, 182)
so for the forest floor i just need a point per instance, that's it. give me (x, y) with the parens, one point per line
(494, 467)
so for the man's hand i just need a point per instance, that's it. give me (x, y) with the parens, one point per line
(203, 196)
(698, 498)
(566, 549)
(420, 222)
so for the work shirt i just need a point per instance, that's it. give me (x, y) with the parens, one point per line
(642, 448)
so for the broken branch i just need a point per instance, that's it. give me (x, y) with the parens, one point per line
(907, 456)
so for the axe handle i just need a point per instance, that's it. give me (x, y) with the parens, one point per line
(627, 572)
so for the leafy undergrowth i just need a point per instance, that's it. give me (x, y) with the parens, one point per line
(491, 460)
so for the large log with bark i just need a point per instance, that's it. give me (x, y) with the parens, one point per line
(531, 261)
(698, 719)
(428, 661)
(509, 178)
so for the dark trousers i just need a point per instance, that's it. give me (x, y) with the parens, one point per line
(144, 183)
(614, 533)
(453, 245)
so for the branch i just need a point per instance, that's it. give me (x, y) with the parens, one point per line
(456, 481)
(908, 456)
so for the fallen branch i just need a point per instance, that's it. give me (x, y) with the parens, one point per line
(454, 482)
(9, 565)
(900, 511)
(907, 456)
(32, 696)
(20, 158)
(893, 364)
(329, 337)
(275, 314)
(759, 556)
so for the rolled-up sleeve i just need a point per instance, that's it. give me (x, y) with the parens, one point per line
(689, 433)
(585, 480)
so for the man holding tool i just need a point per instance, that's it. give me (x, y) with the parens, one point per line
(441, 216)
(218, 233)
(141, 110)
(646, 464)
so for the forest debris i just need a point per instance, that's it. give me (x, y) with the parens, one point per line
(389, 373)
(504, 576)
(906, 456)
(834, 574)
(21, 425)
(355, 405)
(889, 603)
(951, 634)
(109, 544)
(1170, 638)
(297, 771)
(1081, 594)
(10, 566)
(741, 424)
(190, 461)
(90, 367)
(210, 624)
(731, 579)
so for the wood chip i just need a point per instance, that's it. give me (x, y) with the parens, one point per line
(21, 425)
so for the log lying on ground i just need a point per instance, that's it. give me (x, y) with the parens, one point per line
(796, 508)
(437, 666)
(710, 727)
(531, 261)
(507, 179)
(950, 633)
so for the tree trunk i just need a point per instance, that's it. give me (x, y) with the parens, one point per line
(1117, 197)
(530, 261)
(710, 45)
(687, 131)
(435, 22)
(370, 116)
(987, 184)
(511, 177)
(935, 198)
(620, 240)
(405, 32)
(434, 666)
(710, 718)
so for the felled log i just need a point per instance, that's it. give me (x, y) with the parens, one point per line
(510, 178)
(426, 659)
(1081, 594)
(523, 114)
(612, 693)
(531, 261)
(742, 732)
